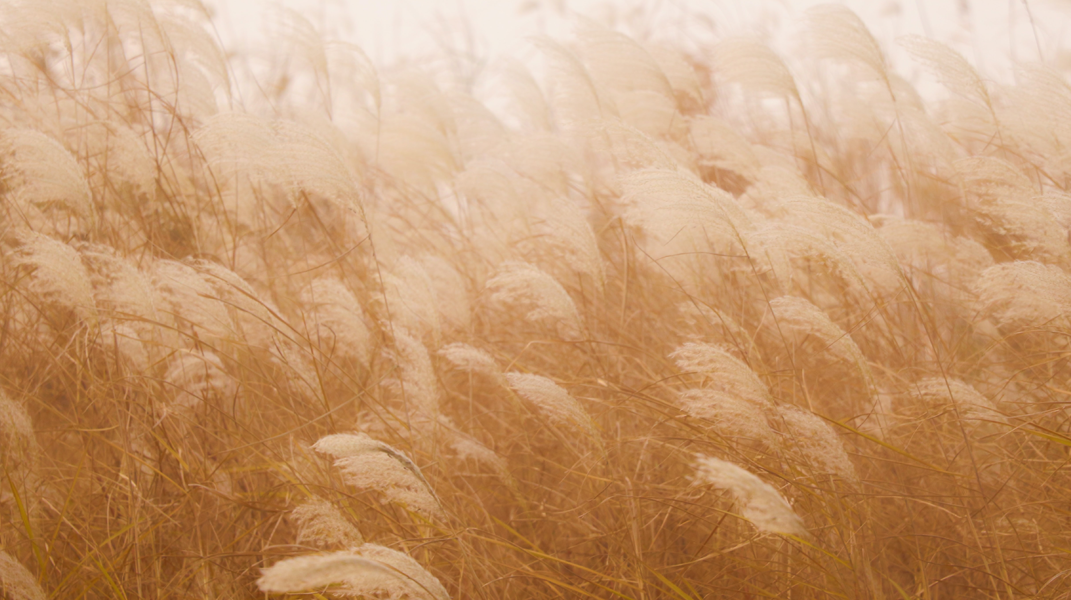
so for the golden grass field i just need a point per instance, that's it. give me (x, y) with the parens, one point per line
(659, 323)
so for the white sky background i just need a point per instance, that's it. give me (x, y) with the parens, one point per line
(992, 34)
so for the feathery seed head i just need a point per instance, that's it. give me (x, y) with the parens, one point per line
(321, 523)
(119, 286)
(338, 317)
(681, 76)
(687, 220)
(419, 384)
(732, 416)
(815, 439)
(1025, 294)
(666, 200)
(450, 291)
(976, 417)
(118, 156)
(127, 345)
(783, 241)
(722, 370)
(618, 63)
(16, 581)
(837, 33)
(972, 405)
(700, 317)
(394, 479)
(412, 300)
(721, 146)
(567, 227)
(412, 581)
(846, 231)
(195, 376)
(59, 275)
(990, 177)
(754, 66)
(929, 248)
(759, 502)
(184, 293)
(577, 99)
(345, 445)
(294, 156)
(797, 315)
(545, 298)
(318, 571)
(553, 401)
(18, 446)
(467, 448)
(468, 358)
(43, 171)
(370, 464)
(950, 67)
(251, 315)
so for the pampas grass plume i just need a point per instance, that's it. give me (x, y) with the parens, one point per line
(245, 292)
(731, 415)
(321, 523)
(817, 441)
(339, 318)
(1025, 294)
(723, 370)
(471, 359)
(553, 401)
(59, 275)
(541, 294)
(759, 502)
(837, 33)
(43, 171)
(317, 571)
(369, 570)
(371, 464)
(16, 582)
(754, 66)
(419, 384)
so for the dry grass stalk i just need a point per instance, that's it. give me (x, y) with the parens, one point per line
(550, 286)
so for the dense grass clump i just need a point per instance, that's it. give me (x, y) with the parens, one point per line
(665, 323)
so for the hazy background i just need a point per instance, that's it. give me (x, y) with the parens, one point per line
(991, 33)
